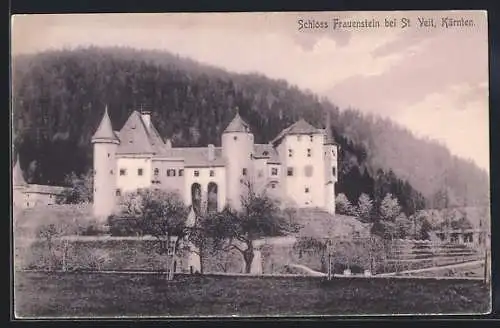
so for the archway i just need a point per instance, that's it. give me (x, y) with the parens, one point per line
(212, 195)
(196, 197)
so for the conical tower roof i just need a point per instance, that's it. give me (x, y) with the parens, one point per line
(329, 137)
(105, 130)
(17, 174)
(237, 125)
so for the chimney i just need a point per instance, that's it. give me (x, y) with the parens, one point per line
(211, 152)
(168, 143)
(146, 117)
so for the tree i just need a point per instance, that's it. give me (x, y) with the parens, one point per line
(80, 189)
(159, 213)
(384, 229)
(364, 208)
(343, 205)
(425, 229)
(200, 233)
(260, 216)
(403, 226)
(389, 208)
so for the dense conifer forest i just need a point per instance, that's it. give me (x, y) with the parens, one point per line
(59, 98)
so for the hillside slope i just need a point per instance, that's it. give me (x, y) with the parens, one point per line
(59, 97)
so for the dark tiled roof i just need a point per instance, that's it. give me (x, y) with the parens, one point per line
(266, 151)
(135, 139)
(105, 130)
(237, 125)
(195, 156)
(299, 127)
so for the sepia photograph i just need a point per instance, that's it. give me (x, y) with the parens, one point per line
(257, 164)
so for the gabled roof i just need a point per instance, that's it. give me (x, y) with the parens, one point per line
(105, 130)
(195, 156)
(17, 174)
(237, 125)
(135, 138)
(266, 151)
(299, 127)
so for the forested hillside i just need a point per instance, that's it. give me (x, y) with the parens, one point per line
(59, 98)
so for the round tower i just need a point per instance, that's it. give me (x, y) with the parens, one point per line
(331, 167)
(105, 143)
(237, 150)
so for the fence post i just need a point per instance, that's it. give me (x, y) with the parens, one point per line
(486, 271)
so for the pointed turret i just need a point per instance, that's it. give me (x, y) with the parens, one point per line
(104, 132)
(105, 143)
(17, 174)
(237, 150)
(237, 125)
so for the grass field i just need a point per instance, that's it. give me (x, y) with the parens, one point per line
(91, 295)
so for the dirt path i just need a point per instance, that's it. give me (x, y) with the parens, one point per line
(451, 266)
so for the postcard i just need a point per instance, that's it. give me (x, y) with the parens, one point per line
(269, 164)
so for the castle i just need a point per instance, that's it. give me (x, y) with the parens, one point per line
(25, 195)
(298, 166)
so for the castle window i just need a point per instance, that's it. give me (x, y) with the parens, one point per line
(290, 153)
(157, 171)
(265, 153)
(123, 172)
(212, 173)
(181, 172)
(170, 173)
(111, 172)
(306, 190)
(334, 171)
(274, 171)
(118, 192)
(308, 170)
(196, 173)
(333, 153)
(235, 138)
(109, 155)
(289, 171)
(311, 138)
(273, 185)
(251, 156)
(139, 171)
(244, 171)
(308, 152)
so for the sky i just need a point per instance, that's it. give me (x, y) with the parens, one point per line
(431, 80)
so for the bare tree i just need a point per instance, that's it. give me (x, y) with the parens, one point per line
(159, 213)
(260, 216)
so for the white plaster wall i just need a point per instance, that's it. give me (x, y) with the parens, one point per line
(105, 173)
(261, 174)
(171, 183)
(131, 181)
(296, 184)
(204, 179)
(32, 199)
(237, 154)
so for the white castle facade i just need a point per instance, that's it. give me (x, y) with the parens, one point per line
(298, 166)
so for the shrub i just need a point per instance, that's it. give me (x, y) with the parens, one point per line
(119, 226)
